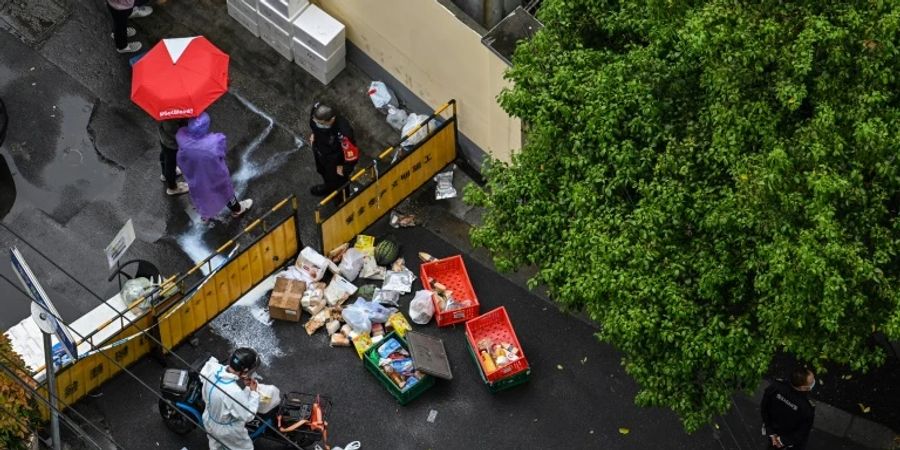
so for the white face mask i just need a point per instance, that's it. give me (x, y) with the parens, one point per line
(321, 125)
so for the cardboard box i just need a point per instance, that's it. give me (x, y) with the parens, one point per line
(236, 9)
(284, 303)
(278, 13)
(277, 38)
(310, 58)
(319, 31)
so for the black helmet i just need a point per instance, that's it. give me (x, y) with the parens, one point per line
(243, 359)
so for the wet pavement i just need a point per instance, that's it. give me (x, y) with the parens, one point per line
(84, 160)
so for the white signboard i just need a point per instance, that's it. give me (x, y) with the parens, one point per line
(34, 289)
(124, 238)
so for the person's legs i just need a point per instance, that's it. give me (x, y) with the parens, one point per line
(167, 159)
(238, 208)
(120, 25)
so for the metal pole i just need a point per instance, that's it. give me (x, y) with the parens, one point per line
(51, 390)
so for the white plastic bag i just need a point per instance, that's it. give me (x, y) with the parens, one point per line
(374, 310)
(381, 96)
(411, 121)
(421, 308)
(351, 264)
(396, 117)
(269, 397)
(312, 265)
(357, 318)
(339, 290)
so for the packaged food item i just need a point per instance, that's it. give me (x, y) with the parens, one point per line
(386, 297)
(346, 329)
(425, 257)
(313, 299)
(340, 340)
(398, 322)
(351, 264)
(312, 264)
(337, 253)
(421, 309)
(487, 362)
(371, 270)
(338, 290)
(317, 321)
(332, 326)
(389, 346)
(362, 342)
(398, 281)
(365, 244)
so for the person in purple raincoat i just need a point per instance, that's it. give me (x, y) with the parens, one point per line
(201, 157)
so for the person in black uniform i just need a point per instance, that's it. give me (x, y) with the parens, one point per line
(334, 148)
(787, 412)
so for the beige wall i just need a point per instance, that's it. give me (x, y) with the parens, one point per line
(437, 57)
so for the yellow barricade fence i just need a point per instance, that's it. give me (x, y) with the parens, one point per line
(393, 176)
(265, 245)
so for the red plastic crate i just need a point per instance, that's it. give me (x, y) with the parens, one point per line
(496, 326)
(450, 272)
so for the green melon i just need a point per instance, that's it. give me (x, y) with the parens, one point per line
(386, 252)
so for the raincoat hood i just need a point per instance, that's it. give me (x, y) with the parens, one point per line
(199, 126)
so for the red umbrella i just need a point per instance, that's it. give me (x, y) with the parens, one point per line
(179, 78)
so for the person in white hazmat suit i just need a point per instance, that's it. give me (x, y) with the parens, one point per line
(224, 417)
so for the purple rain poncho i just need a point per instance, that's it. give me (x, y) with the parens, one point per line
(201, 157)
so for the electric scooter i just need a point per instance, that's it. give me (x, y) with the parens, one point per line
(299, 417)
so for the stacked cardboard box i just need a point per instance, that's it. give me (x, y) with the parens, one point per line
(298, 31)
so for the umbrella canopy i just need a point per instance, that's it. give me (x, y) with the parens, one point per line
(179, 78)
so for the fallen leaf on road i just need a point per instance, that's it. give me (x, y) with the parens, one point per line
(559, 366)
(846, 377)
(865, 409)
(584, 360)
(624, 430)
(716, 425)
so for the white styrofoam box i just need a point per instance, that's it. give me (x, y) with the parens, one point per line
(244, 8)
(268, 9)
(252, 4)
(320, 63)
(276, 37)
(323, 77)
(288, 8)
(249, 22)
(319, 31)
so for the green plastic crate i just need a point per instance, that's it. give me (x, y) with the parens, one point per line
(499, 385)
(370, 361)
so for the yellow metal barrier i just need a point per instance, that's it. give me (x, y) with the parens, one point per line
(176, 318)
(390, 181)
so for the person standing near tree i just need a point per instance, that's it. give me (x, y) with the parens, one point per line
(201, 157)
(121, 11)
(334, 148)
(787, 412)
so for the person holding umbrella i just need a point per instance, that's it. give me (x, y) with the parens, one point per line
(201, 156)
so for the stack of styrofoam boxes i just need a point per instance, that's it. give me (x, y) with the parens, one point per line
(244, 11)
(275, 17)
(319, 44)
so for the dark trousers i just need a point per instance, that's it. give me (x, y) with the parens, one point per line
(168, 164)
(120, 25)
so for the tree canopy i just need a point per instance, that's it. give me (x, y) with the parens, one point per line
(712, 181)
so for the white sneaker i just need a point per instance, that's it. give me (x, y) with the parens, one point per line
(140, 11)
(130, 31)
(245, 205)
(180, 188)
(130, 48)
(177, 174)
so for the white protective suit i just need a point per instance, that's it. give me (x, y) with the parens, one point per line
(224, 418)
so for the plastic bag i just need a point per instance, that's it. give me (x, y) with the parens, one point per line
(382, 96)
(421, 308)
(371, 270)
(312, 265)
(339, 290)
(358, 319)
(398, 281)
(365, 244)
(351, 264)
(411, 122)
(386, 297)
(374, 310)
(269, 397)
(445, 187)
(396, 117)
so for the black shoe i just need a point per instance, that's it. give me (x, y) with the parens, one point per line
(319, 190)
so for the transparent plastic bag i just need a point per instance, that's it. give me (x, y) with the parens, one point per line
(351, 264)
(357, 318)
(382, 96)
(396, 117)
(421, 309)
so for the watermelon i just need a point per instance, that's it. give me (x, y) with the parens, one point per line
(386, 252)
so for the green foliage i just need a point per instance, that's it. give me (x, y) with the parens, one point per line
(713, 181)
(19, 411)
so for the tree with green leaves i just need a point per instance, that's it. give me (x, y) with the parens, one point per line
(714, 182)
(19, 413)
